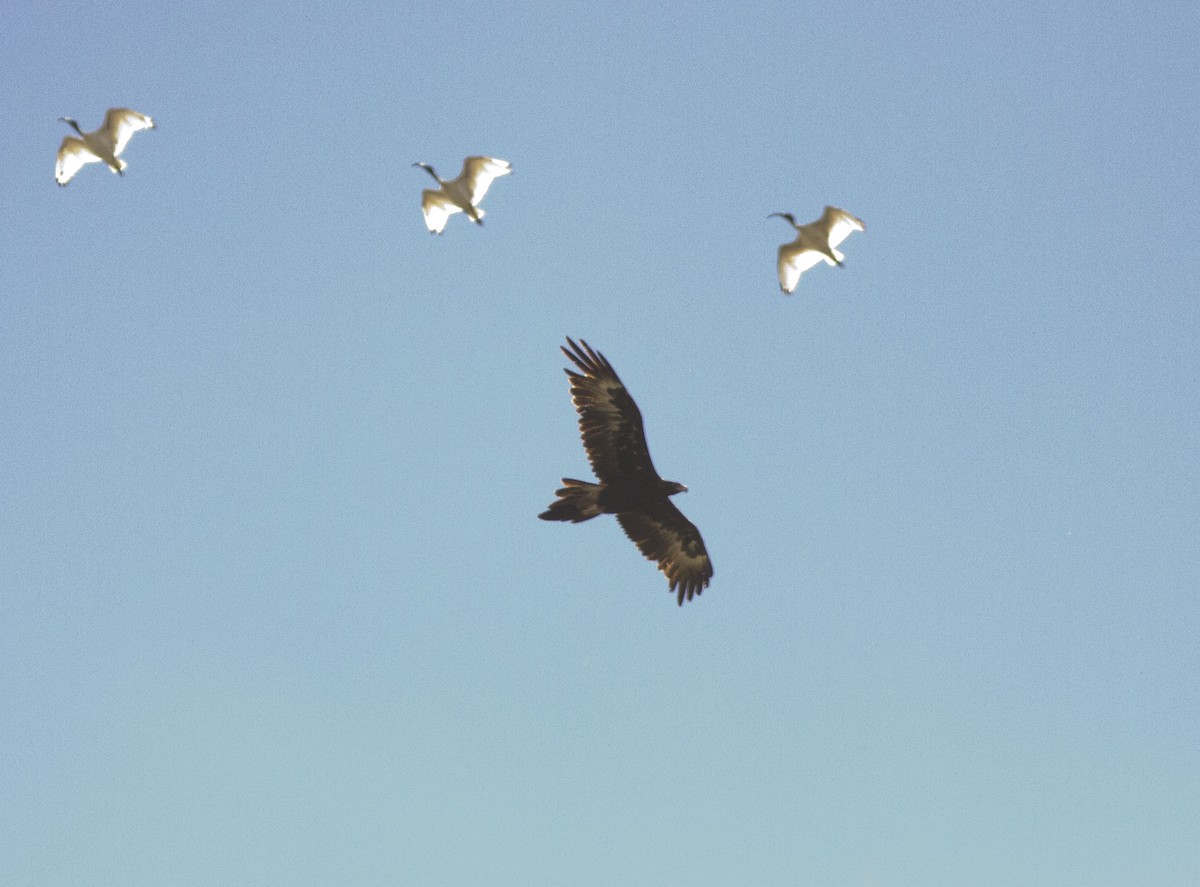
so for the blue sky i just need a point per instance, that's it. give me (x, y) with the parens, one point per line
(277, 608)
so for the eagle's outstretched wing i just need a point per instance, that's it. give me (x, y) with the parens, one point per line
(610, 423)
(663, 534)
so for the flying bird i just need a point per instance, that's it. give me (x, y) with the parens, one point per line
(102, 146)
(611, 427)
(461, 195)
(816, 241)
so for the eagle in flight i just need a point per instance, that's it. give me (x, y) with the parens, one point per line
(611, 426)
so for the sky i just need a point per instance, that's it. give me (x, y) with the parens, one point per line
(276, 605)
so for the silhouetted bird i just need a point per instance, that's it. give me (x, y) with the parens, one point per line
(611, 426)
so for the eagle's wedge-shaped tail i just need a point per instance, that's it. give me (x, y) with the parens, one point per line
(577, 501)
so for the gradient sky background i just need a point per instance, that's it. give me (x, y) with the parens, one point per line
(276, 606)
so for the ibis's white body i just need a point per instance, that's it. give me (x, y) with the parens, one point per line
(815, 242)
(461, 195)
(102, 146)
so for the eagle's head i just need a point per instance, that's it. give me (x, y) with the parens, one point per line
(670, 487)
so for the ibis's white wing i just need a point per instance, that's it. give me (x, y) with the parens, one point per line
(72, 155)
(120, 124)
(840, 223)
(479, 173)
(437, 208)
(794, 260)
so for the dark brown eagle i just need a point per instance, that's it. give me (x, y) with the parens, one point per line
(611, 426)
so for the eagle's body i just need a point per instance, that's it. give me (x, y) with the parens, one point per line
(636, 495)
(630, 488)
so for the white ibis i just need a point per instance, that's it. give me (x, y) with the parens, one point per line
(816, 241)
(461, 195)
(102, 146)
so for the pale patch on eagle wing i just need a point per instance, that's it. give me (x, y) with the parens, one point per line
(668, 537)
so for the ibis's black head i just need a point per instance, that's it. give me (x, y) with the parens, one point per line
(790, 218)
(671, 487)
(428, 169)
(72, 123)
